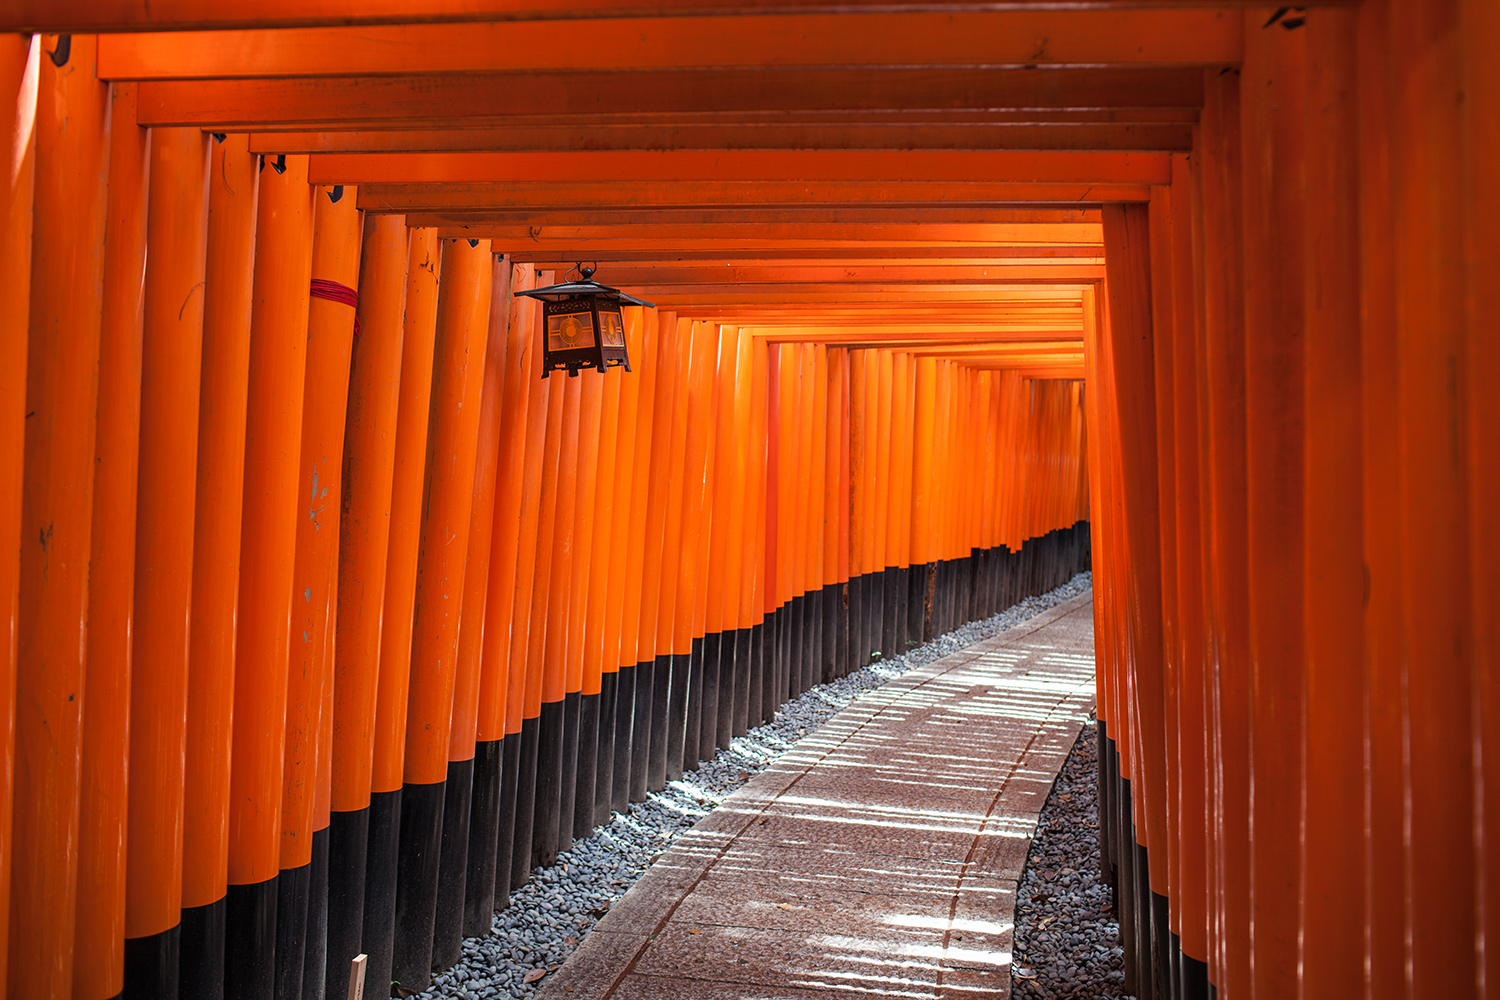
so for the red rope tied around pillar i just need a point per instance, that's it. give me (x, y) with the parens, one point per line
(322, 288)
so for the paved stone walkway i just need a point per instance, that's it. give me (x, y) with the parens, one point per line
(878, 857)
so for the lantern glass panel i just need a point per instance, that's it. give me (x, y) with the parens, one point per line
(571, 330)
(611, 327)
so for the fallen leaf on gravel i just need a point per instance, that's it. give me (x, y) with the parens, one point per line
(695, 932)
(570, 942)
(783, 906)
(533, 975)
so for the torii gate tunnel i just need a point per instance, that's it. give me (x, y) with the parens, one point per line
(327, 617)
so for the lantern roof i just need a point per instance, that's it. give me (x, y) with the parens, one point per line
(586, 286)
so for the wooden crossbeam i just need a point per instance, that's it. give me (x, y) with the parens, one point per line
(455, 198)
(898, 339)
(853, 38)
(803, 166)
(736, 136)
(784, 226)
(157, 15)
(1121, 95)
(903, 274)
(1007, 292)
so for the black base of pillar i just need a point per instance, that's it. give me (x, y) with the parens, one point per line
(549, 762)
(680, 684)
(692, 728)
(292, 895)
(661, 722)
(568, 789)
(453, 865)
(755, 649)
(315, 962)
(525, 821)
(505, 824)
(586, 767)
(641, 728)
(250, 941)
(378, 936)
(417, 860)
(200, 954)
(707, 716)
(619, 796)
(484, 819)
(739, 710)
(604, 747)
(151, 966)
(348, 841)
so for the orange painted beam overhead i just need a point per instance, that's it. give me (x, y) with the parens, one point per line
(152, 15)
(753, 273)
(900, 338)
(904, 38)
(855, 253)
(784, 229)
(604, 135)
(912, 94)
(962, 167)
(749, 266)
(457, 198)
(929, 287)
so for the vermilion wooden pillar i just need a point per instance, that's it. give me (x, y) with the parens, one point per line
(496, 758)
(176, 245)
(369, 457)
(1427, 155)
(458, 810)
(1223, 366)
(582, 725)
(1481, 212)
(67, 261)
(302, 896)
(219, 497)
(722, 550)
(551, 645)
(544, 678)
(99, 958)
(674, 368)
(605, 536)
(1191, 807)
(19, 72)
(1273, 87)
(1333, 878)
(524, 695)
(1383, 628)
(692, 532)
(462, 326)
(1166, 868)
(740, 557)
(634, 657)
(419, 331)
(278, 337)
(620, 628)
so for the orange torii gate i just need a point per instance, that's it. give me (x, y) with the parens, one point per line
(933, 287)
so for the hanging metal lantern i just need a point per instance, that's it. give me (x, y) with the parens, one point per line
(581, 324)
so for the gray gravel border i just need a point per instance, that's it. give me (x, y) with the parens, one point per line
(550, 915)
(1067, 941)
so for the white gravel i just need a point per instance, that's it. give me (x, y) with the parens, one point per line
(549, 915)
